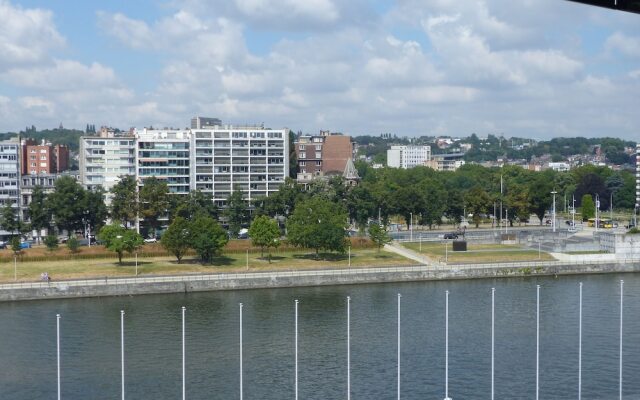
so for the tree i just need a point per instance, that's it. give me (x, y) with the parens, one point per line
(51, 241)
(588, 207)
(124, 201)
(95, 210)
(73, 244)
(118, 239)
(39, 213)
(176, 239)
(264, 232)
(318, 224)
(540, 195)
(154, 202)
(8, 219)
(207, 237)
(236, 212)
(66, 204)
(379, 235)
(477, 201)
(16, 246)
(196, 202)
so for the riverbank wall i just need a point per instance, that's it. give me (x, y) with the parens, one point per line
(283, 279)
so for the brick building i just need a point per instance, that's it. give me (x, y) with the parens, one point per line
(43, 158)
(327, 153)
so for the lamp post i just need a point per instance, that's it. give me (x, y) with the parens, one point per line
(553, 213)
(611, 208)
(411, 227)
(597, 207)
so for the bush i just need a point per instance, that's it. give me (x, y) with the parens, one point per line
(15, 245)
(51, 242)
(73, 245)
(633, 231)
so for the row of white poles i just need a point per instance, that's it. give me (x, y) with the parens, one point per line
(493, 290)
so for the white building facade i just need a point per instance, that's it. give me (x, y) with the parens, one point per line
(103, 160)
(408, 156)
(215, 160)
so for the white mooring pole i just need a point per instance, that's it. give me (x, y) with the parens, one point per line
(348, 347)
(122, 351)
(493, 320)
(621, 309)
(537, 342)
(241, 383)
(399, 297)
(58, 349)
(296, 350)
(580, 346)
(184, 380)
(446, 347)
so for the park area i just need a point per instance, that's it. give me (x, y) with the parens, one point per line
(97, 262)
(477, 253)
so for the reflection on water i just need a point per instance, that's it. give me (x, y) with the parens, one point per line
(91, 342)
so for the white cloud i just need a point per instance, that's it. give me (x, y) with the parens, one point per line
(63, 75)
(624, 44)
(26, 35)
(319, 11)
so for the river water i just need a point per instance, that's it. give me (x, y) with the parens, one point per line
(90, 337)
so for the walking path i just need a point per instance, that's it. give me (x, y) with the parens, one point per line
(397, 248)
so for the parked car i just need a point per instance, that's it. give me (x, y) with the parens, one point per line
(25, 245)
(3, 245)
(450, 235)
(151, 240)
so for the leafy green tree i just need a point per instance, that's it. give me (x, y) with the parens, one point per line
(118, 239)
(454, 206)
(435, 203)
(408, 201)
(540, 195)
(588, 207)
(15, 245)
(196, 202)
(236, 212)
(39, 213)
(95, 210)
(124, 205)
(66, 203)
(154, 202)
(207, 237)
(177, 238)
(318, 224)
(379, 235)
(293, 157)
(51, 241)
(264, 232)
(8, 218)
(73, 244)
(519, 203)
(477, 201)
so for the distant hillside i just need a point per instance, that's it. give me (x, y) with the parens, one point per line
(68, 137)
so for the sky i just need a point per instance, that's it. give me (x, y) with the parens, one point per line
(528, 68)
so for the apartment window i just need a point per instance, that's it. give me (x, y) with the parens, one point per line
(43, 164)
(303, 163)
(301, 147)
(43, 157)
(43, 151)
(303, 155)
(318, 147)
(33, 164)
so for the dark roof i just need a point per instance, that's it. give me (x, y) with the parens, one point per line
(621, 5)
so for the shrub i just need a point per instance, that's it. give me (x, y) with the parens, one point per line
(73, 245)
(51, 242)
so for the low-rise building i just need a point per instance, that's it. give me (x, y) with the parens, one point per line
(446, 162)
(326, 153)
(408, 156)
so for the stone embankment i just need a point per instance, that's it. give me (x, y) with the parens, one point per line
(280, 279)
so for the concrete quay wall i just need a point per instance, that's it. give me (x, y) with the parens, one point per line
(262, 280)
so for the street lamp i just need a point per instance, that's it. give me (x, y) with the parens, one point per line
(411, 227)
(553, 221)
(597, 207)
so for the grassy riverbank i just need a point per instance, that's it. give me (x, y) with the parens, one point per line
(234, 261)
(479, 253)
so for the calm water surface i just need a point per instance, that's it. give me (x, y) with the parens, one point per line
(90, 330)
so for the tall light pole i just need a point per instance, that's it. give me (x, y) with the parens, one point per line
(411, 227)
(553, 221)
(573, 213)
(597, 208)
(122, 352)
(611, 208)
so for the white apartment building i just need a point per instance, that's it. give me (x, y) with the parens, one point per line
(165, 154)
(102, 160)
(9, 176)
(253, 159)
(215, 160)
(408, 156)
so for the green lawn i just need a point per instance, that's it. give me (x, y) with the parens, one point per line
(478, 253)
(99, 268)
